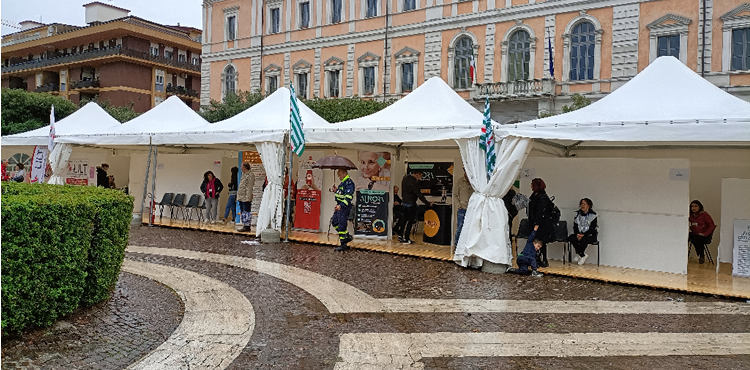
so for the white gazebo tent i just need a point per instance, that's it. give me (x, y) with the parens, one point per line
(266, 124)
(667, 104)
(434, 114)
(90, 119)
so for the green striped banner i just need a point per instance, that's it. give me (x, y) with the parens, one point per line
(297, 136)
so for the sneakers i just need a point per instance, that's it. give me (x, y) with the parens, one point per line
(244, 229)
(213, 222)
(701, 260)
(576, 258)
(546, 264)
(509, 270)
(342, 248)
(536, 273)
(583, 259)
(405, 241)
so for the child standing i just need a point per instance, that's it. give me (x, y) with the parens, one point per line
(528, 257)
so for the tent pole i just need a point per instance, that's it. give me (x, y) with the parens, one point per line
(145, 183)
(288, 192)
(283, 160)
(153, 181)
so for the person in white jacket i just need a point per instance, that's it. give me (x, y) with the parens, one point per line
(245, 196)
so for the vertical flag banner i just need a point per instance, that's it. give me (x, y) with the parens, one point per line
(473, 70)
(51, 142)
(487, 140)
(39, 164)
(297, 136)
(551, 57)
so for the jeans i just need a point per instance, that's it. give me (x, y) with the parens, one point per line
(212, 208)
(461, 214)
(231, 205)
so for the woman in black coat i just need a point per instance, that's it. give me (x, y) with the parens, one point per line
(540, 213)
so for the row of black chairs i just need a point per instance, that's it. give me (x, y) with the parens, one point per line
(561, 235)
(176, 204)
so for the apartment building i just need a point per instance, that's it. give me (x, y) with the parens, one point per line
(115, 57)
(528, 56)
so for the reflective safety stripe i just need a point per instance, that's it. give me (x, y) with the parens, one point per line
(342, 232)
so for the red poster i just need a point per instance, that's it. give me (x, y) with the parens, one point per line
(71, 181)
(307, 210)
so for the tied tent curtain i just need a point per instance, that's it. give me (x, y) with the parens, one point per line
(270, 211)
(58, 160)
(484, 236)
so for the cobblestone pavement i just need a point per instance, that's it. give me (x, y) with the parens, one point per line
(295, 330)
(113, 334)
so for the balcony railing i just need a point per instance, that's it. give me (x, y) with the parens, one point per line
(85, 84)
(180, 90)
(520, 89)
(98, 53)
(49, 87)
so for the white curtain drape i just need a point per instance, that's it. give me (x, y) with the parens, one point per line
(58, 160)
(271, 209)
(484, 236)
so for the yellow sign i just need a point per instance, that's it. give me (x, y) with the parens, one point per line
(431, 223)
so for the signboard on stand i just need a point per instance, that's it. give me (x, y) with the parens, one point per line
(372, 213)
(307, 202)
(741, 260)
(77, 172)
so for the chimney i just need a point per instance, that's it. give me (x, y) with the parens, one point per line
(98, 12)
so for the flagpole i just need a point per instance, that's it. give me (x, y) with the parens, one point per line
(289, 174)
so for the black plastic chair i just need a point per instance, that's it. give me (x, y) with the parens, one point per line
(193, 204)
(178, 203)
(166, 200)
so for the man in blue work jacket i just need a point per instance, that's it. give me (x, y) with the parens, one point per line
(344, 194)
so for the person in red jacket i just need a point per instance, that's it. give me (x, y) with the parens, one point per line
(701, 228)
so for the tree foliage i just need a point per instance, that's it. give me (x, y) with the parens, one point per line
(579, 101)
(231, 106)
(337, 110)
(24, 110)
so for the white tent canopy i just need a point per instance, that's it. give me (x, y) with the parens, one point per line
(432, 112)
(666, 102)
(267, 121)
(90, 119)
(170, 116)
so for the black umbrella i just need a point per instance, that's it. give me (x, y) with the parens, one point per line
(335, 162)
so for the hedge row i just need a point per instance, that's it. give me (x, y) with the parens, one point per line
(62, 248)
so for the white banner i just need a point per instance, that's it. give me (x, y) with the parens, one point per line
(38, 164)
(741, 260)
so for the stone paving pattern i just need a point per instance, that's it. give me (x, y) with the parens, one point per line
(113, 334)
(294, 330)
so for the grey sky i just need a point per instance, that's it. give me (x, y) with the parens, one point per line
(186, 12)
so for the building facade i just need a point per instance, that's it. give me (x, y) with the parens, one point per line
(117, 58)
(528, 56)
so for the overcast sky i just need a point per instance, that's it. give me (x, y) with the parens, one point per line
(186, 12)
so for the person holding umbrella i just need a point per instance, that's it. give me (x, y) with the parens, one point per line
(344, 199)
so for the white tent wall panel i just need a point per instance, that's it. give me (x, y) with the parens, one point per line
(642, 213)
(135, 185)
(708, 167)
(735, 205)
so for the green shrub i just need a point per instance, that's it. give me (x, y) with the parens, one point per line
(62, 248)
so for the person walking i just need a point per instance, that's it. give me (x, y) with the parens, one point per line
(245, 196)
(211, 189)
(411, 192)
(232, 201)
(344, 194)
(463, 194)
(101, 176)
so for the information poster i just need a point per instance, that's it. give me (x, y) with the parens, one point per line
(309, 181)
(372, 213)
(741, 260)
(77, 172)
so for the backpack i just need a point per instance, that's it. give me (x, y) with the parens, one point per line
(555, 213)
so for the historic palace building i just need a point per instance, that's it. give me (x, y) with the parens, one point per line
(117, 58)
(372, 48)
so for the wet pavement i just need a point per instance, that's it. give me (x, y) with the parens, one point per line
(294, 330)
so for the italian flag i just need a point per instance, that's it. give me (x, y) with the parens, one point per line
(473, 70)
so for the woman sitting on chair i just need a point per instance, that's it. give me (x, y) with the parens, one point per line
(701, 229)
(584, 230)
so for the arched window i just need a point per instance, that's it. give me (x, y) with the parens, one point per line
(230, 81)
(519, 54)
(582, 45)
(461, 74)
